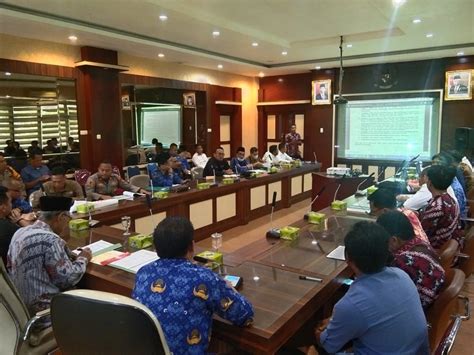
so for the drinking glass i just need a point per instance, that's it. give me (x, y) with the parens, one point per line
(126, 221)
(216, 241)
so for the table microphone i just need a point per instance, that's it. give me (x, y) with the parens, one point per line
(148, 202)
(400, 168)
(360, 192)
(314, 199)
(92, 222)
(273, 232)
(339, 186)
(315, 158)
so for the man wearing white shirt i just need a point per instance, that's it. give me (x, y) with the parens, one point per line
(282, 156)
(420, 199)
(271, 157)
(199, 158)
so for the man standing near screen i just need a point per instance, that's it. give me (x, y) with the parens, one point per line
(293, 140)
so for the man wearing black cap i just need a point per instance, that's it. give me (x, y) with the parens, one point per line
(39, 261)
(457, 87)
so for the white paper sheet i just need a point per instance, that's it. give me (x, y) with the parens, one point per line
(98, 247)
(135, 261)
(337, 253)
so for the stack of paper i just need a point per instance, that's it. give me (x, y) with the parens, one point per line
(99, 247)
(135, 261)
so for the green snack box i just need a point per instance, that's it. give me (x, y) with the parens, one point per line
(289, 233)
(227, 181)
(316, 218)
(140, 241)
(371, 189)
(213, 256)
(78, 224)
(273, 170)
(338, 205)
(203, 185)
(296, 163)
(286, 166)
(85, 208)
(160, 194)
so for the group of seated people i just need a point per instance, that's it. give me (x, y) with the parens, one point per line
(13, 148)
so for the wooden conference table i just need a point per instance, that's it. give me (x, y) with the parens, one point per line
(218, 208)
(270, 269)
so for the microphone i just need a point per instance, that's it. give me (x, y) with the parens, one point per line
(315, 158)
(358, 191)
(314, 199)
(338, 187)
(402, 165)
(148, 202)
(413, 159)
(273, 233)
(92, 222)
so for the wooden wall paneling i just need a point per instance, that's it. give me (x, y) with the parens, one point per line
(290, 87)
(21, 67)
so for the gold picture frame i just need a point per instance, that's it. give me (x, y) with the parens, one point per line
(458, 85)
(321, 92)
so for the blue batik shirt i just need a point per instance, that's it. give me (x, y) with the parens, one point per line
(161, 179)
(239, 166)
(460, 196)
(184, 296)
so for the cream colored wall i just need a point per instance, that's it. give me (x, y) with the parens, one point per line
(23, 49)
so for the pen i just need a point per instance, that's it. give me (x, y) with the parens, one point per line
(309, 278)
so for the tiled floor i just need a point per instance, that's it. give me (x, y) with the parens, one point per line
(238, 237)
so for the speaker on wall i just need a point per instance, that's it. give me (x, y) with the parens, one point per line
(464, 138)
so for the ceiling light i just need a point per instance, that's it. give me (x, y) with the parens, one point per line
(284, 53)
(216, 33)
(349, 45)
(318, 67)
(280, 80)
(255, 44)
(416, 20)
(163, 17)
(161, 55)
(429, 35)
(72, 38)
(458, 53)
(7, 73)
(398, 2)
(220, 66)
(261, 74)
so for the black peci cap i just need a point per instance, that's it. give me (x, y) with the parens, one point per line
(55, 203)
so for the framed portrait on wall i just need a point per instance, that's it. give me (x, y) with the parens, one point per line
(189, 99)
(321, 92)
(458, 85)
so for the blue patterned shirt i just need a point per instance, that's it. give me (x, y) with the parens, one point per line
(41, 265)
(28, 174)
(165, 180)
(22, 204)
(460, 196)
(183, 296)
(239, 166)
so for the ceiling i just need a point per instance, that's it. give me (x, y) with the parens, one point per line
(308, 30)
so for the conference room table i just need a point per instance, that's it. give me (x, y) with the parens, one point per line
(270, 269)
(215, 209)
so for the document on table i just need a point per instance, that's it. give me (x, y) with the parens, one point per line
(337, 253)
(99, 247)
(108, 257)
(135, 261)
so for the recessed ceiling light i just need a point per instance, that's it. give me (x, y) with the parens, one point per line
(220, 66)
(349, 45)
(417, 20)
(318, 67)
(284, 53)
(72, 38)
(398, 2)
(460, 53)
(163, 17)
(216, 33)
(7, 73)
(429, 35)
(255, 44)
(161, 55)
(261, 74)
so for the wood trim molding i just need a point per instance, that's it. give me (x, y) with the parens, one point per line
(235, 103)
(293, 102)
(86, 63)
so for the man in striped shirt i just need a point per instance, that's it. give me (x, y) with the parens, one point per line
(39, 262)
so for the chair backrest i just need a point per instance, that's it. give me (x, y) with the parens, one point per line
(142, 181)
(86, 321)
(132, 171)
(116, 171)
(81, 176)
(447, 253)
(467, 265)
(13, 314)
(439, 315)
(197, 172)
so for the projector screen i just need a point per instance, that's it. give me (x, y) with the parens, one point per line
(161, 122)
(389, 128)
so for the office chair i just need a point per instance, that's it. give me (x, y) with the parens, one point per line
(447, 253)
(132, 171)
(197, 172)
(443, 320)
(16, 323)
(142, 181)
(94, 322)
(81, 176)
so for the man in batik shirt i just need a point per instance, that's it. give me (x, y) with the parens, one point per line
(293, 140)
(104, 184)
(39, 262)
(184, 296)
(416, 257)
(440, 219)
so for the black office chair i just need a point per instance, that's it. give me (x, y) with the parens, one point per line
(93, 322)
